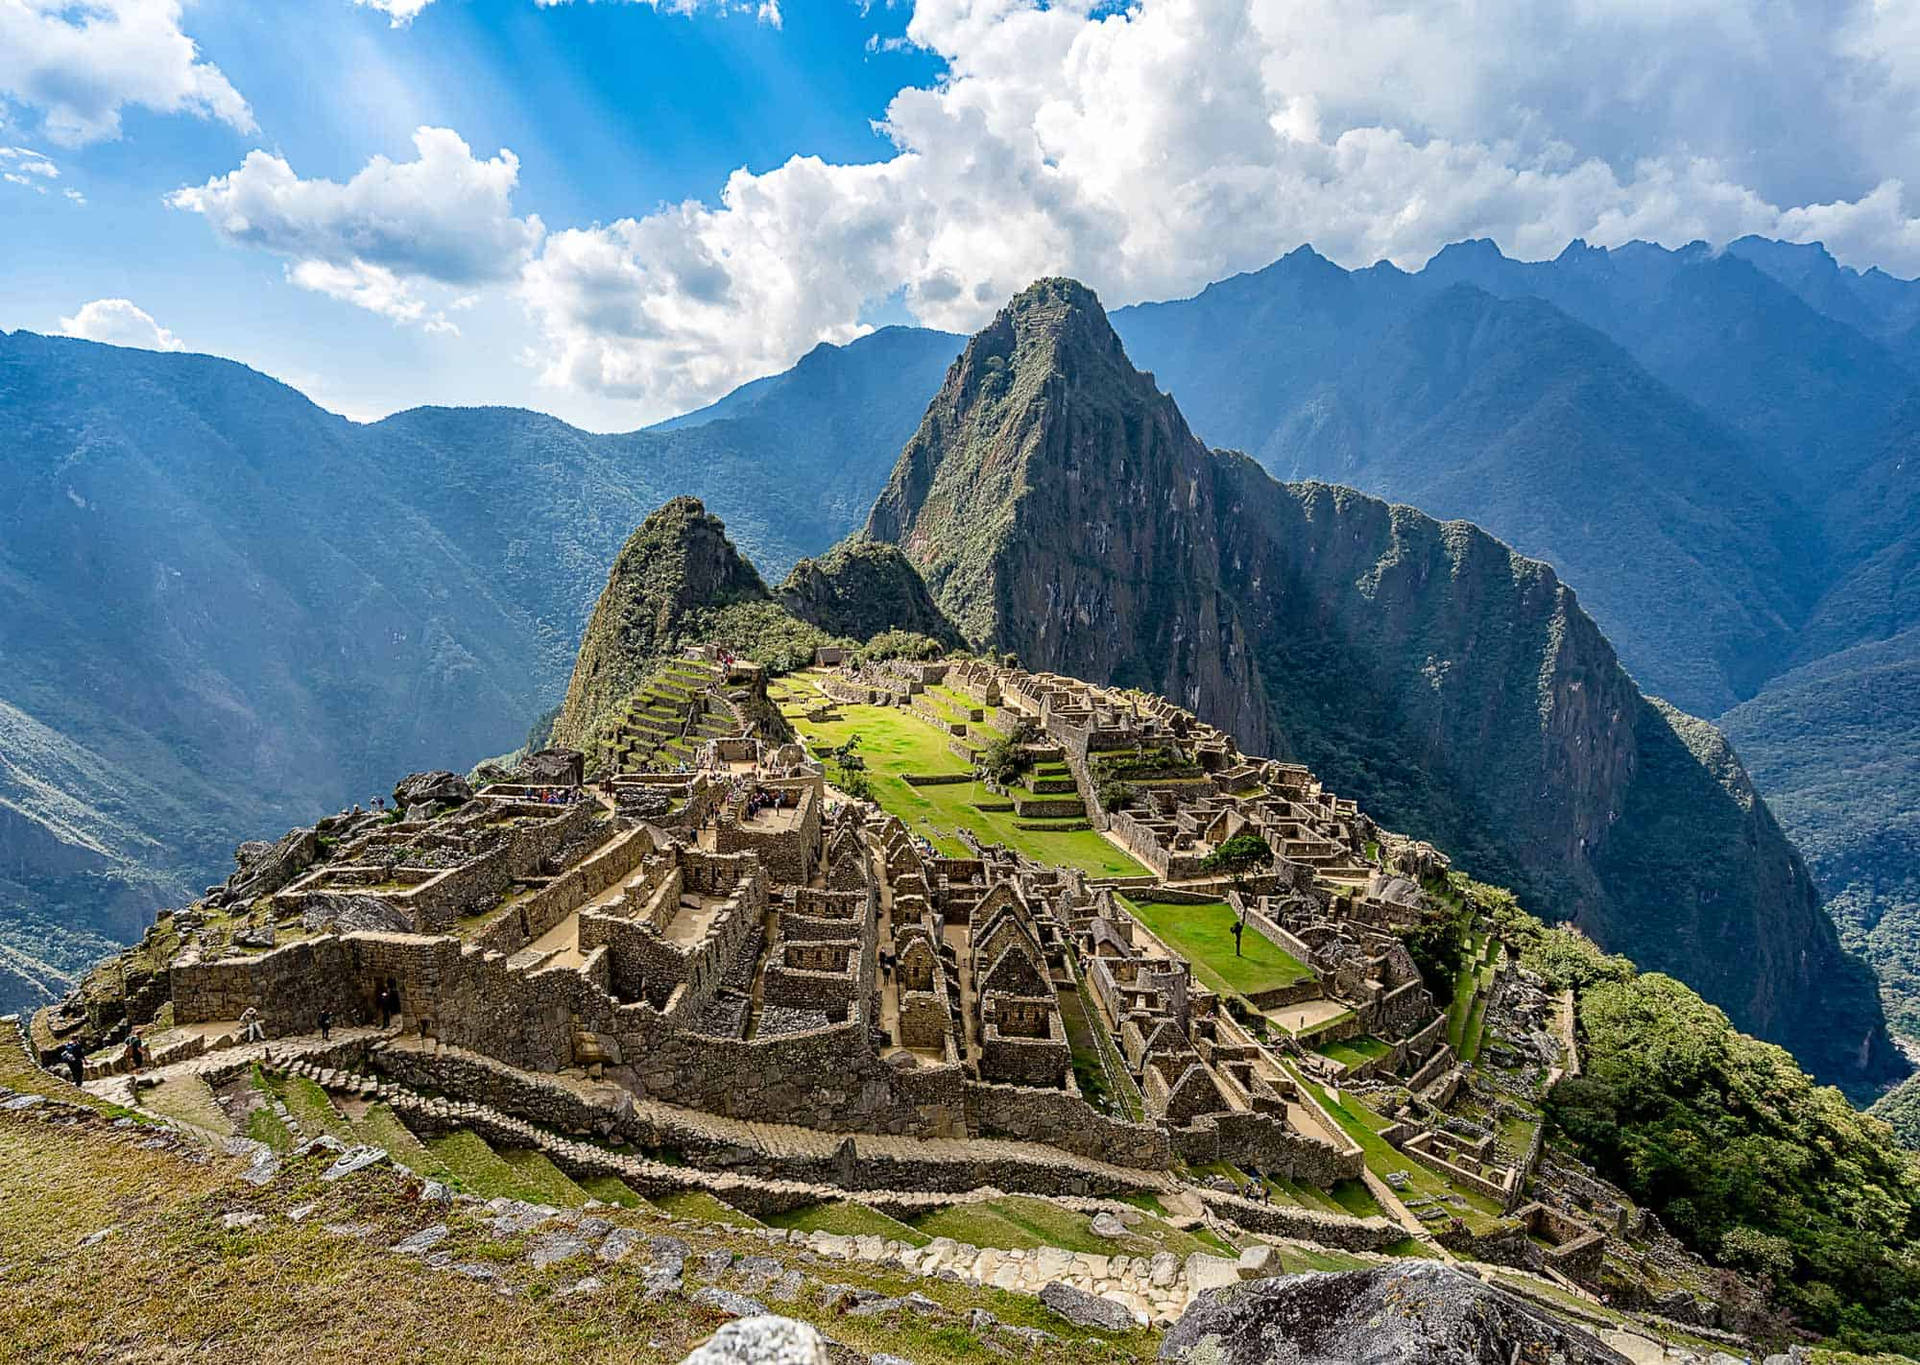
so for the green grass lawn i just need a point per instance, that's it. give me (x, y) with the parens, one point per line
(1017, 1223)
(894, 742)
(610, 1189)
(845, 1218)
(1203, 934)
(474, 1166)
(314, 1111)
(381, 1127)
(705, 1207)
(542, 1182)
(1355, 1052)
(1097, 1067)
(190, 1100)
(1467, 1011)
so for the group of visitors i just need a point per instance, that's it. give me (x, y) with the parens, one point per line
(555, 796)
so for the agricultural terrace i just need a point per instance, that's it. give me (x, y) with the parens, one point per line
(1203, 934)
(895, 743)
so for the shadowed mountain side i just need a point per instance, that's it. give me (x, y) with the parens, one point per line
(1059, 507)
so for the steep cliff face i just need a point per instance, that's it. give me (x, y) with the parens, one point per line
(1059, 507)
(678, 563)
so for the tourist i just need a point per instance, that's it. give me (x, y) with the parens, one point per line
(326, 1026)
(251, 1029)
(76, 1061)
(136, 1053)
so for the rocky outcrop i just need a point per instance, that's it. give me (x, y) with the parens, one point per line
(1420, 1311)
(1059, 507)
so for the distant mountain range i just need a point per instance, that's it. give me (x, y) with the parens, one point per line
(223, 606)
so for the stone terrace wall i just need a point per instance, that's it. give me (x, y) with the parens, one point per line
(1309, 1225)
(1242, 1138)
(1065, 1121)
(288, 986)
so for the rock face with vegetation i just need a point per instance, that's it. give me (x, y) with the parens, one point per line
(1060, 508)
(862, 589)
(673, 571)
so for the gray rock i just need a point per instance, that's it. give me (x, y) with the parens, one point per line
(883, 1358)
(24, 1102)
(263, 1168)
(787, 1287)
(619, 1245)
(94, 1239)
(265, 868)
(726, 1301)
(1427, 1312)
(422, 1241)
(351, 1161)
(669, 1251)
(555, 1247)
(593, 1284)
(1260, 1262)
(980, 1321)
(1106, 1225)
(240, 1222)
(763, 1340)
(515, 1215)
(714, 1264)
(1086, 1310)
(428, 789)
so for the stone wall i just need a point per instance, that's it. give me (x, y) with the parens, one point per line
(1243, 1138)
(543, 909)
(287, 986)
(1065, 1121)
(1309, 1225)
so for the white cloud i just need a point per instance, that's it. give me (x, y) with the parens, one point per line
(404, 12)
(79, 63)
(120, 323)
(401, 12)
(1151, 149)
(387, 237)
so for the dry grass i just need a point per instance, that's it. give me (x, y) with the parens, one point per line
(171, 1284)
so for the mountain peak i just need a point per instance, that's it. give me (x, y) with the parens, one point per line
(678, 564)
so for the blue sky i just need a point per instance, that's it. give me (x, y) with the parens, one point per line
(615, 210)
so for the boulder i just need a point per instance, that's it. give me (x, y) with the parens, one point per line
(1426, 1312)
(1204, 1272)
(1106, 1225)
(1086, 1310)
(438, 788)
(764, 1340)
(265, 868)
(554, 768)
(1260, 1262)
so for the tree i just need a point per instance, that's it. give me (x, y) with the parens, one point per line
(1239, 855)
